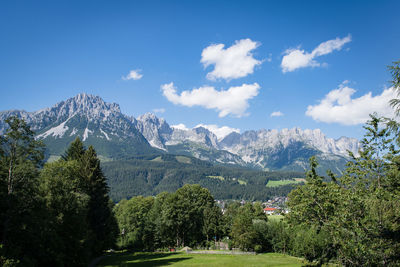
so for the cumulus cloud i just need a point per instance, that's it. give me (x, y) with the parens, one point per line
(220, 132)
(159, 110)
(297, 58)
(133, 75)
(232, 101)
(180, 126)
(233, 62)
(276, 114)
(339, 107)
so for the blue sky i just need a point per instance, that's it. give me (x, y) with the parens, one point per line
(314, 63)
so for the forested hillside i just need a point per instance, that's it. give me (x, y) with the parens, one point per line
(150, 175)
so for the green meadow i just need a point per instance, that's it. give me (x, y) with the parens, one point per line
(284, 182)
(209, 260)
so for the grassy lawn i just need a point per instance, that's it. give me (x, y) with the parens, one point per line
(183, 259)
(282, 182)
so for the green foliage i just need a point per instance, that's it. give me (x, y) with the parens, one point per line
(356, 215)
(247, 226)
(75, 151)
(67, 206)
(312, 244)
(133, 217)
(58, 215)
(20, 205)
(185, 217)
(102, 224)
(212, 222)
(280, 236)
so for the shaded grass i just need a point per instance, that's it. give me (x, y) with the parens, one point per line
(183, 259)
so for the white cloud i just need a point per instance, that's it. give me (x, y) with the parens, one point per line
(233, 62)
(133, 75)
(339, 107)
(232, 101)
(180, 126)
(159, 110)
(220, 132)
(296, 58)
(276, 114)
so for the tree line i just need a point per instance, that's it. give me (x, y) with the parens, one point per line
(53, 214)
(187, 217)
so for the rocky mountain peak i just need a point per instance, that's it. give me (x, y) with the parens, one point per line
(89, 104)
(92, 107)
(155, 130)
(101, 123)
(151, 118)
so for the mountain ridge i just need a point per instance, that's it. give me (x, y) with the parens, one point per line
(116, 135)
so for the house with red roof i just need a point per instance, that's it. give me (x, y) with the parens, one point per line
(269, 211)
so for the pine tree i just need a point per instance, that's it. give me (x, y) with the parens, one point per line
(75, 151)
(100, 218)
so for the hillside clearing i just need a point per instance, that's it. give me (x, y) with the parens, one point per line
(283, 182)
(216, 177)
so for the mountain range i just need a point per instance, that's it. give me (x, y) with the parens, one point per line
(118, 136)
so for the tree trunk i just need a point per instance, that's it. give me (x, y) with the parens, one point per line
(10, 173)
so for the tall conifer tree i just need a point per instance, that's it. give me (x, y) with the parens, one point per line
(101, 221)
(100, 217)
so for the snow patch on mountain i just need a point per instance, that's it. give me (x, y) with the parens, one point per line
(105, 134)
(86, 133)
(74, 131)
(57, 131)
